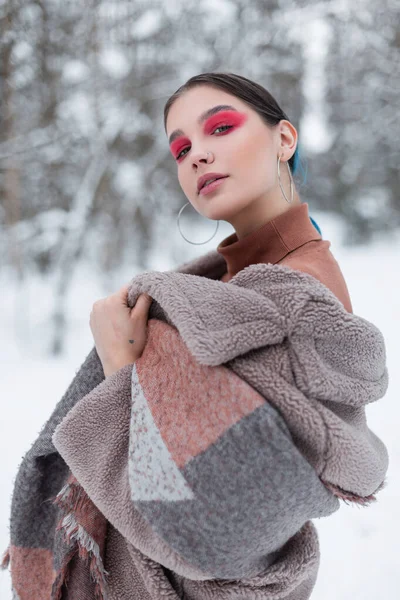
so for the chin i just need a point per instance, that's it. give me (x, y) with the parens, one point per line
(220, 213)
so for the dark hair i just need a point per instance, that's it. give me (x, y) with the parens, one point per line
(254, 94)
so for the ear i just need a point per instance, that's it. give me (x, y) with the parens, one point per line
(289, 136)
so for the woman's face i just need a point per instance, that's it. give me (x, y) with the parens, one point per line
(242, 145)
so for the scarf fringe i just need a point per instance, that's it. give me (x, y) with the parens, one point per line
(6, 559)
(62, 577)
(72, 497)
(350, 497)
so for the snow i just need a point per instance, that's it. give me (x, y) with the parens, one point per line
(318, 137)
(114, 62)
(75, 71)
(148, 24)
(128, 179)
(77, 108)
(217, 13)
(21, 51)
(359, 545)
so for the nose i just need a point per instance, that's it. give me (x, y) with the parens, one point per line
(199, 157)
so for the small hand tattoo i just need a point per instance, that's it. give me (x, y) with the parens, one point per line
(131, 341)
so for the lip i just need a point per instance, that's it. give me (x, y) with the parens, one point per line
(208, 189)
(201, 180)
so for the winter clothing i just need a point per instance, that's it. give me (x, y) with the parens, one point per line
(194, 472)
(292, 240)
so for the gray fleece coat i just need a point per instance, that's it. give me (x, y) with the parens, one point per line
(243, 419)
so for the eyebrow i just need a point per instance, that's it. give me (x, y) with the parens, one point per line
(208, 113)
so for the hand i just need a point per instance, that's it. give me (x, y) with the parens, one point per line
(119, 332)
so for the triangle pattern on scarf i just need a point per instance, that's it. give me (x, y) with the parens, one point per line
(153, 474)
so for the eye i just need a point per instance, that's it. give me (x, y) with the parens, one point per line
(180, 153)
(187, 148)
(220, 127)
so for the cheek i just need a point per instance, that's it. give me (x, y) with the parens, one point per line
(184, 181)
(243, 158)
(182, 175)
(245, 149)
(254, 153)
(253, 164)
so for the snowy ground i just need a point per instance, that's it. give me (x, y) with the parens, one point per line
(359, 545)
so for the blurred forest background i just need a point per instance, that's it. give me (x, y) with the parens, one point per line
(89, 194)
(85, 169)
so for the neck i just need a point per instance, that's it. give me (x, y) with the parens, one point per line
(251, 218)
(265, 208)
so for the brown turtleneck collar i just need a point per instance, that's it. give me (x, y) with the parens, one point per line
(271, 242)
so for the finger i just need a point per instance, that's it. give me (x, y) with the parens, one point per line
(144, 299)
(122, 294)
(142, 306)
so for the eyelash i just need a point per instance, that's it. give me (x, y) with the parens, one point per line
(219, 126)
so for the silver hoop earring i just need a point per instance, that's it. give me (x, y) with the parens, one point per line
(197, 243)
(291, 181)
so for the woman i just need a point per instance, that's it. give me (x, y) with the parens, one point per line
(231, 417)
(227, 126)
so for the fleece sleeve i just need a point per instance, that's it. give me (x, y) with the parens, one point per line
(192, 465)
